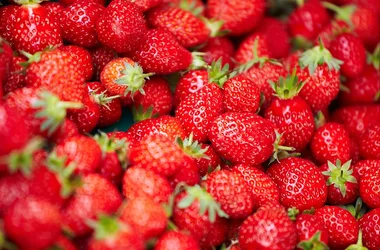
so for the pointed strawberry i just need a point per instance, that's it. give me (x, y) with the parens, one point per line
(252, 47)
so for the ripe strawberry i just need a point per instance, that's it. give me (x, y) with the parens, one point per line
(32, 223)
(300, 183)
(83, 58)
(362, 166)
(331, 30)
(147, 4)
(6, 59)
(369, 226)
(290, 113)
(369, 188)
(210, 162)
(197, 7)
(342, 226)
(268, 228)
(101, 56)
(66, 130)
(139, 182)
(78, 23)
(342, 182)
(189, 83)
(176, 240)
(88, 116)
(252, 47)
(110, 233)
(97, 195)
(188, 175)
(350, 50)
(147, 217)
(7, 19)
(36, 28)
(16, 78)
(331, 142)
(54, 9)
(311, 233)
(242, 137)
(160, 53)
(189, 30)
(239, 16)
(68, 2)
(121, 26)
(369, 146)
(219, 47)
(64, 243)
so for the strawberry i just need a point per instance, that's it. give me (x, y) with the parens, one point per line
(139, 182)
(147, 217)
(84, 59)
(290, 113)
(96, 195)
(331, 30)
(32, 223)
(121, 26)
(160, 53)
(369, 147)
(368, 224)
(197, 7)
(342, 182)
(36, 30)
(300, 183)
(218, 47)
(78, 23)
(54, 9)
(210, 162)
(110, 233)
(7, 19)
(68, 2)
(342, 227)
(6, 60)
(239, 16)
(176, 240)
(147, 4)
(242, 137)
(263, 188)
(369, 188)
(311, 233)
(268, 228)
(64, 243)
(331, 142)
(191, 82)
(189, 30)
(66, 130)
(350, 50)
(101, 56)
(252, 47)
(88, 116)
(362, 166)
(188, 175)
(16, 78)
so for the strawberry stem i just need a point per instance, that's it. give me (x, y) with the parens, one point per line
(192, 148)
(289, 87)
(339, 175)
(106, 226)
(191, 6)
(342, 13)
(215, 27)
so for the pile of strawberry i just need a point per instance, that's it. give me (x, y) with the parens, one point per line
(257, 125)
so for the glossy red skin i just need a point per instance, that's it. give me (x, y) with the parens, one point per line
(189, 83)
(199, 226)
(176, 240)
(308, 225)
(331, 142)
(239, 17)
(363, 88)
(84, 59)
(157, 95)
(349, 49)
(206, 165)
(330, 31)
(54, 9)
(86, 118)
(100, 57)
(16, 79)
(307, 20)
(369, 225)
(7, 19)
(244, 52)
(369, 146)
(241, 95)
(189, 174)
(36, 30)
(68, 129)
(97, 195)
(268, 229)
(294, 120)
(242, 137)
(111, 169)
(6, 63)
(147, 4)
(342, 227)
(82, 150)
(78, 23)
(367, 26)
(198, 110)
(361, 167)
(300, 183)
(32, 223)
(369, 188)
(147, 217)
(160, 53)
(139, 182)
(334, 196)
(188, 29)
(219, 47)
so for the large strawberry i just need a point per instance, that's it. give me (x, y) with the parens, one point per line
(369, 225)
(361, 167)
(311, 233)
(369, 188)
(219, 47)
(176, 240)
(369, 146)
(191, 82)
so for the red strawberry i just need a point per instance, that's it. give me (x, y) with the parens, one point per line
(78, 23)
(239, 16)
(219, 47)
(101, 56)
(35, 30)
(68, 2)
(32, 223)
(96, 196)
(189, 30)
(16, 77)
(190, 82)
(68, 129)
(369, 146)
(311, 232)
(83, 58)
(252, 47)
(349, 49)
(210, 162)
(361, 167)
(54, 9)
(331, 142)
(121, 26)
(147, 4)
(189, 175)
(330, 31)
(6, 61)
(176, 240)
(369, 188)
(342, 226)
(88, 116)
(160, 53)
(7, 19)
(300, 183)
(369, 225)
(139, 182)
(64, 243)
(268, 228)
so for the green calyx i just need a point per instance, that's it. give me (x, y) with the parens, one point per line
(140, 113)
(343, 13)
(358, 210)
(319, 119)
(111, 144)
(6, 245)
(217, 73)
(22, 2)
(102, 98)
(374, 58)
(281, 152)
(359, 244)
(206, 202)
(192, 148)
(301, 43)
(215, 27)
(191, 6)
(69, 181)
(293, 212)
(32, 58)
(314, 243)
(289, 87)
(52, 110)
(133, 78)
(319, 55)
(339, 175)
(106, 226)
(198, 61)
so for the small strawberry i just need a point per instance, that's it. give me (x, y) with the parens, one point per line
(101, 56)
(219, 47)
(362, 166)
(83, 58)
(311, 233)
(369, 146)
(88, 116)
(369, 188)
(121, 26)
(16, 78)
(369, 225)
(176, 240)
